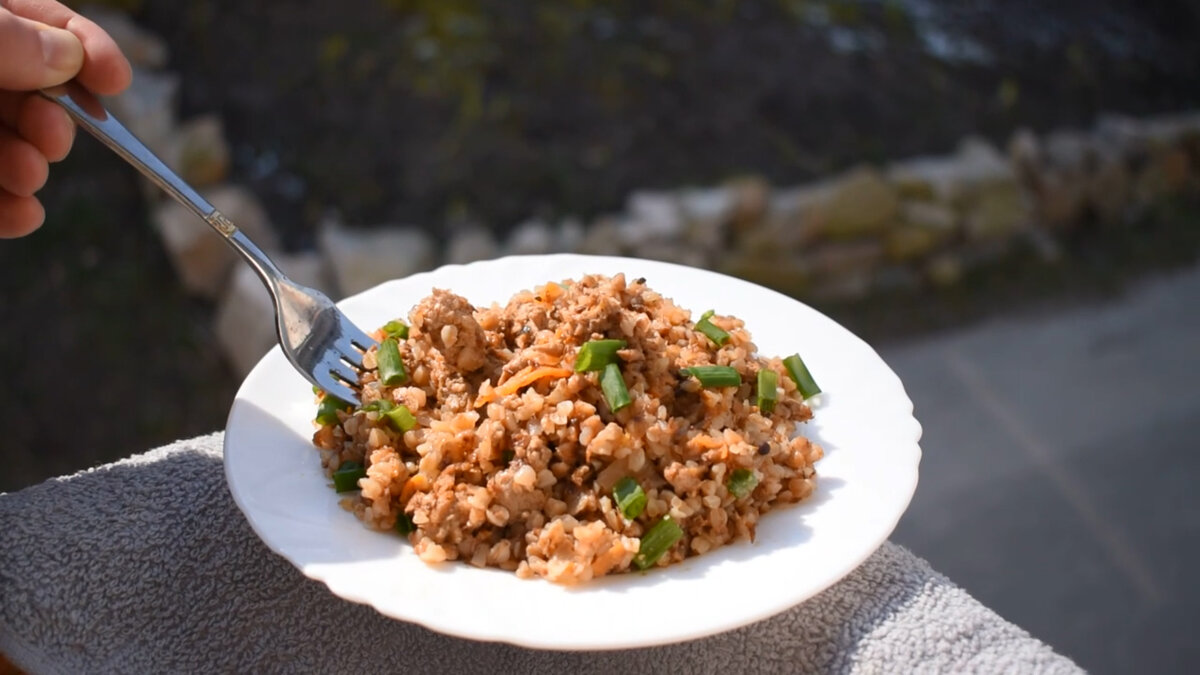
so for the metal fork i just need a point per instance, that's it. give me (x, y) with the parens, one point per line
(315, 336)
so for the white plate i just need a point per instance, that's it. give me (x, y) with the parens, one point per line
(865, 481)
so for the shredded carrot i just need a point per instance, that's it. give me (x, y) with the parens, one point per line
(551, 292)
(524, 378)
(704, 442)
(417, 483)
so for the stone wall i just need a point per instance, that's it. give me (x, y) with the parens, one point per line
(913, 223)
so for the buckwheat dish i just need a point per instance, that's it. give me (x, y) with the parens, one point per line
(585, 428)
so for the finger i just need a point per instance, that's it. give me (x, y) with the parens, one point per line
(19, 215)
(43, 123)
(47, 126)
(23, 169)
(105, 69)
(34, 55)
(10, 106)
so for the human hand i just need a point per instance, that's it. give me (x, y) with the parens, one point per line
(44, 43)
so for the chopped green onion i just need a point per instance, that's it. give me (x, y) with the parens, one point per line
(396, 329)
(714, 332)
(346, 477)
(768, 380)
(741, 483)
(804, 379)
(631, 499)
(657, 541)
(380, 405)
(328, 407)
(391, 368)
(401, 418)
(715, 376)
(616, 394)
(405, 525)
(596, 354)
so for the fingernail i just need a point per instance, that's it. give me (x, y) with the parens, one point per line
(61, 51)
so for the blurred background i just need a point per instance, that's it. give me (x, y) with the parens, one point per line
(1033, 280)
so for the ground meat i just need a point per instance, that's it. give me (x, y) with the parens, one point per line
(449, 321)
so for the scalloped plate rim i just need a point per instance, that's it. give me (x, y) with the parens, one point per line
(340, 577)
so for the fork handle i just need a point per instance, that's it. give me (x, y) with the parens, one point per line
(90, 114)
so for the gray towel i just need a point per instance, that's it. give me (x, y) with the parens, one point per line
(146, 565)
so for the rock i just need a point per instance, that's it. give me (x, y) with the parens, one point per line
(978, 182)
(1176, 167)
(751, 196)
(470, 244)
(862, 203)
(843, 258)
(852, 285)
(1122, 134)
(1061, 199)
(924, 178)
(922, 228)
(706, 214)
(1165, 173)
(912, 181)
(603, 237)
(985, 252)
(148, 108)
(362, 259)
(785, 273)
(674, 252)
(1108, 190)
(569, 235)
(1169, 130)
(952, 180)
(1025, 155)
(763, 242)
(944, 269)
(937, 218)
(979, 163)
(797, 216)
(1024, 148)
(709, 205)
(1070, 150)
(1080, 174)
(245, 317)
(981, 158)
(200, 151)
(1061, 179)
(201, 257)
(653, 217)
(657, 215)
(532, 237)
(141, 47)
(896, 279)
(997, 211)
(907, 242)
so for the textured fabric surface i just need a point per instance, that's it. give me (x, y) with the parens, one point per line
(146, 565)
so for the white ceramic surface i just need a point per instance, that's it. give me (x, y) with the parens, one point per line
(865, 481)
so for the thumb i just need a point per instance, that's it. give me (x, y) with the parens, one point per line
(34, 55)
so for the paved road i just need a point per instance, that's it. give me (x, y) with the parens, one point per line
(1059, 483)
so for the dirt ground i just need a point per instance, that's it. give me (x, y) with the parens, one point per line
(423, 111)
(104, 355)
